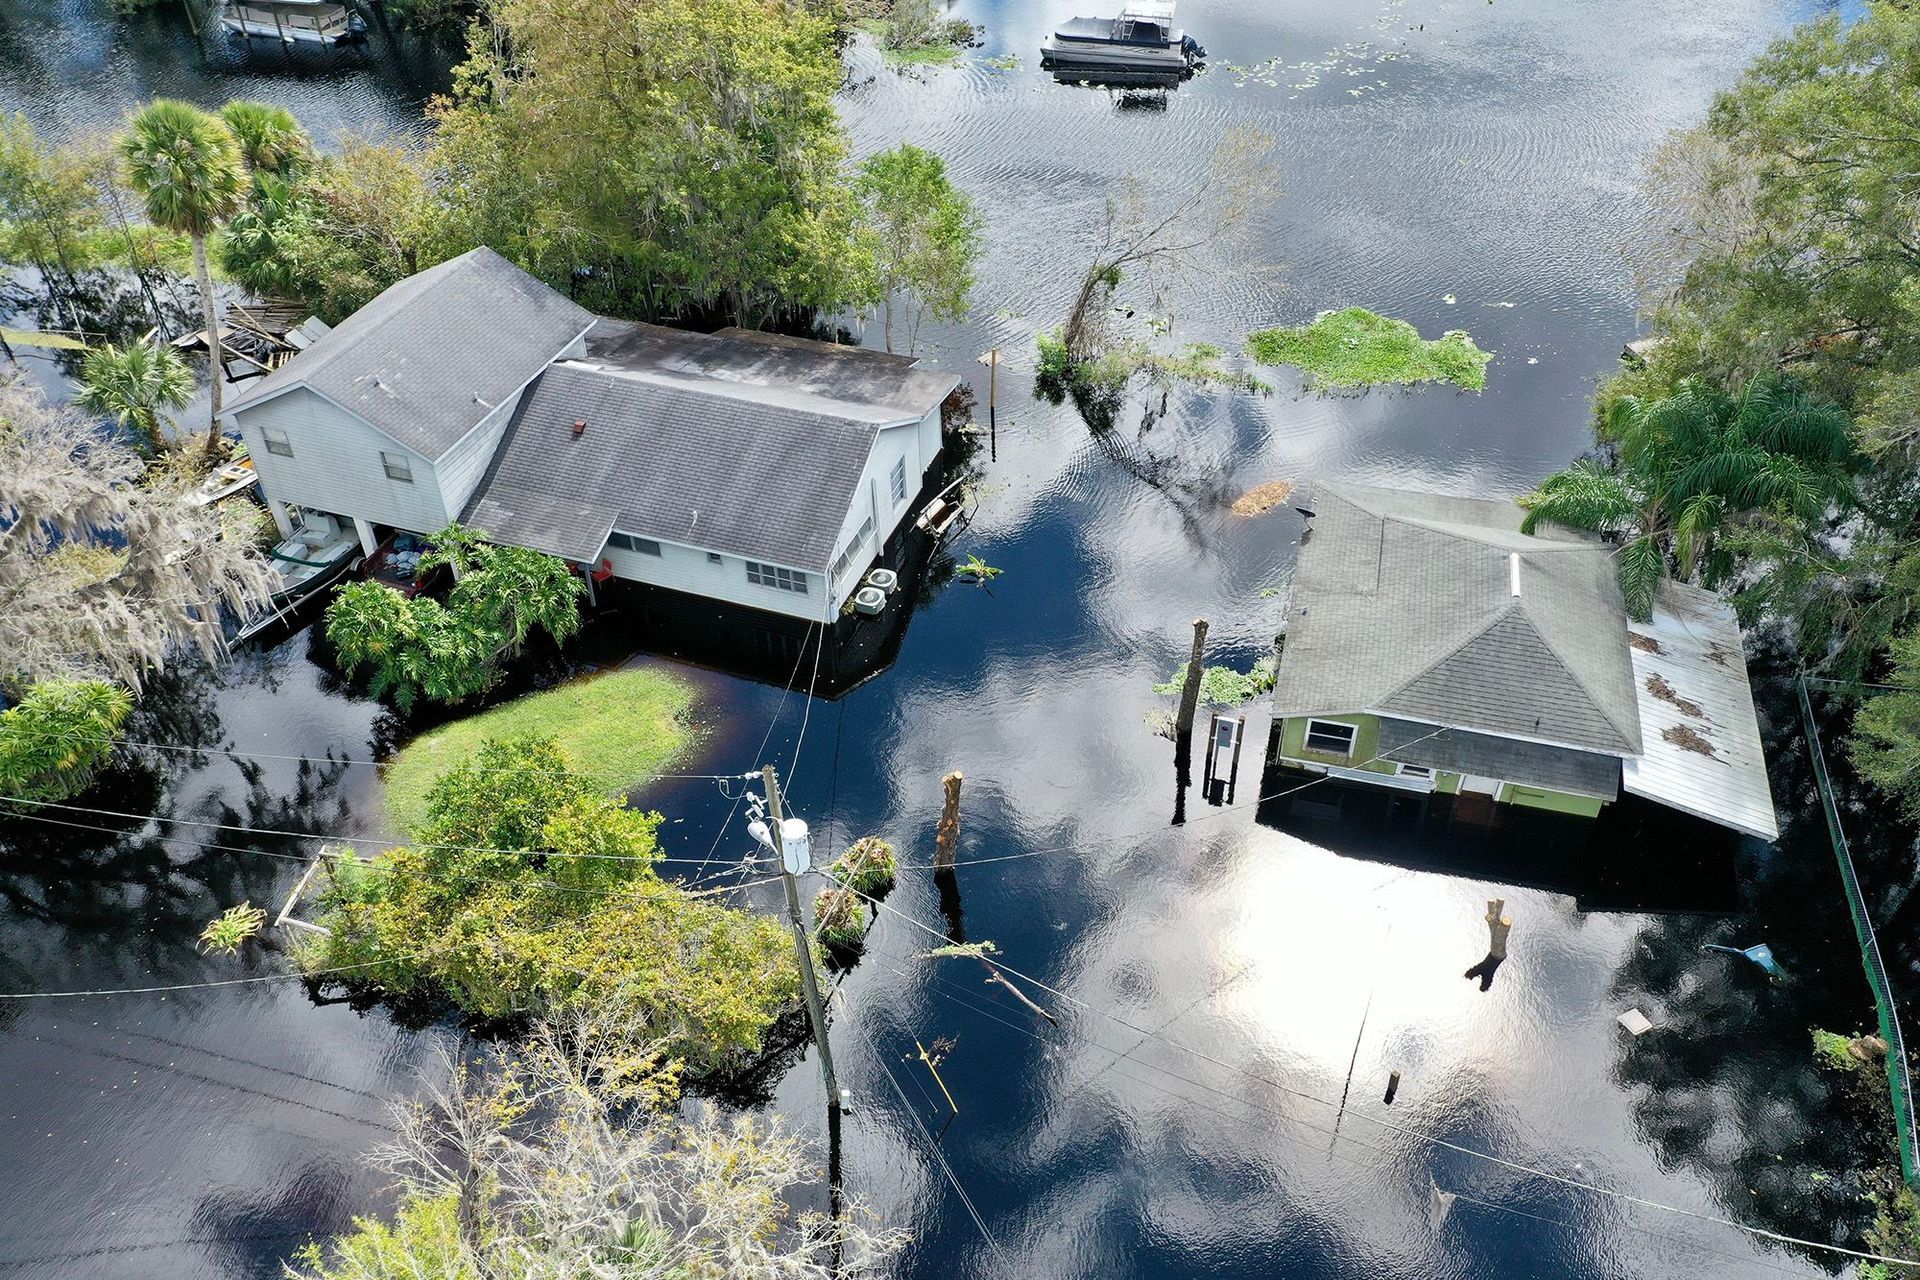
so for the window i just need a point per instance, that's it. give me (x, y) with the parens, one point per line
(1330, 737)
(277, 442)
(627, 542)
(714, 557)
(398, 468)
(899, 481)
(852, 549)
(1415, 771)
(772, 575)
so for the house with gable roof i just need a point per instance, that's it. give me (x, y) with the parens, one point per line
(1430, 646)
(745, 468)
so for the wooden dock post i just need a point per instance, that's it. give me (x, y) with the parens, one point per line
(1498, 926)
(1393, 1086)
(946, 837)
(1190, 692)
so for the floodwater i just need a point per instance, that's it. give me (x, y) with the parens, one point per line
(1230, 997)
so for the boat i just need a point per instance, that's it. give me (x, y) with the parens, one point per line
(396, 563)
(1141, 41)
(225, 481)
(319, 553)
(295, 21)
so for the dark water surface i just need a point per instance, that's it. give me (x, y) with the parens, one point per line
(1221, 985)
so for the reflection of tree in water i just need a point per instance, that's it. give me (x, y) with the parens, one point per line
(1728, 1082)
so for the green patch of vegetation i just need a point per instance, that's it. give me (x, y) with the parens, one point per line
(1225, 687)
(1097, 383)
(528, 891)
(1831, 1049)
(977, 569)
(415, 648)
(840, 919)
(227, 932)
(1004, 62)
(867, 867)
(1357, 348)
(618, 731)
(916, 32)
(55, 741)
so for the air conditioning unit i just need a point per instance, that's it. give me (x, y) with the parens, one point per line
(869, 600)
(885, 579)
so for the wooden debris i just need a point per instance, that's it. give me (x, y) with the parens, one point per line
(1645, 644)
(996, 976)
(1687, 739)
(1262, 498)
(946, 837)
(1657, 686)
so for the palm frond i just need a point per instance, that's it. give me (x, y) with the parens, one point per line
(1641, 566)
(1584, 496)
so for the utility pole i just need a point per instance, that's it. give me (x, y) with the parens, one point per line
(802, 943)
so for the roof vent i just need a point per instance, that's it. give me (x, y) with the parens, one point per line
(1513, 572)
(580, 428)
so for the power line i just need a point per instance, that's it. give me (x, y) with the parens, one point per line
(939, 1155)
(1405, 1130)
(1221, 812)
(196, 986)
(390, 842)
(1270, 1114)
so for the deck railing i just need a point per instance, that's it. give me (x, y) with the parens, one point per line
(1899, 1082)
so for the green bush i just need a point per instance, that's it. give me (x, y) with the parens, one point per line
(840, 918)
(1357, 348)
(868, 866)
(418, 647)
(528, 891)
(55, 741)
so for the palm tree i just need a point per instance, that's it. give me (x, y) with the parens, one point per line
(270, 138)
(132, 384)
(186, 167)
(1692, 464)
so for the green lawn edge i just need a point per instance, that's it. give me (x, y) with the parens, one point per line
(1359, 348)
(620, 728)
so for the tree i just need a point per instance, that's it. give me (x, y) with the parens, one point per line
(527, 890)
(186, 166)
(1885, 746)
(565, 1160)
(132, 384)
(104, 569)
(270, 139)
(55, 739)
(417, 646)
(1691, 464)
(693, 162)
(47, 209)
(926, 235)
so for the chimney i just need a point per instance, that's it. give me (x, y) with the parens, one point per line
(579, 427)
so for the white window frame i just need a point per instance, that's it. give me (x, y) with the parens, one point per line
(844, 561)
(397, 466)
(633, 542)
(777, 577)
(1414, 771)
(278, 443)
(898, 481)
(1352, 734)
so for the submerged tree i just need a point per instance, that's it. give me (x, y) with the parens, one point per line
(104, 570)
(926, 236)
(1691, 465)
(566, 1160)
(134, 384)
(54, 741)
(186, 166)
(1885, 746)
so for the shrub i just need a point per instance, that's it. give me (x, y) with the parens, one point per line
(56, 740)
(232, 928)
(527, 891)
(840, 918)
(868, 866)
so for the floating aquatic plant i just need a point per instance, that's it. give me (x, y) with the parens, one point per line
(1357, 348)
(977, 569)
(232, 928)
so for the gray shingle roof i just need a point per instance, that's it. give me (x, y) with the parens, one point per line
(432, 355)
(1527, 763)
(1403, 605)
(767, 473)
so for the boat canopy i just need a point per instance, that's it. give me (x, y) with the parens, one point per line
(1149, 10)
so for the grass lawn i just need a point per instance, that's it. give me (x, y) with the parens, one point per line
(1356, 348)
(620, 729)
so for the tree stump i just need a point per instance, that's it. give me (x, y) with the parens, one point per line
(946, 837)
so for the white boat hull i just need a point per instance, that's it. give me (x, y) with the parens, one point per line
(294, 28)
(1088, 55)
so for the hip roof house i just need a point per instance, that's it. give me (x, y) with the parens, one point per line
(744, 467)
(1431, 646)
